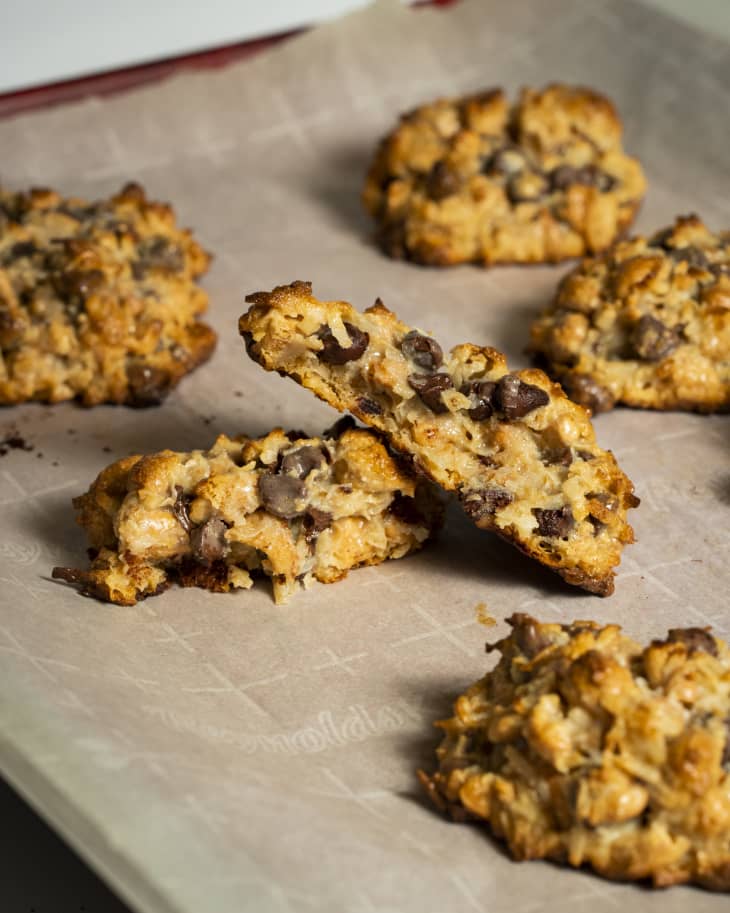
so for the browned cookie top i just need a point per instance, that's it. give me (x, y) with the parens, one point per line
(98, 301)
(584, 747)
(477, 179)
(646, 324)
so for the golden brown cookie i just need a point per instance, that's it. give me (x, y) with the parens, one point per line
(292, 507)
(478, 180)
(521, 457)
(583, 747)
(98, 301)
(646, 324)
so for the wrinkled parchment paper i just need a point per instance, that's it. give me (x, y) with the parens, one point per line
(219, 754)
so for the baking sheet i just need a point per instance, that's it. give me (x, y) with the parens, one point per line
(219, 753)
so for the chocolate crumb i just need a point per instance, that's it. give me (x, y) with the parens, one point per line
(14, 441)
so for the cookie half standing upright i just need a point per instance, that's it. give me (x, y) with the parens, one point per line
(584, 747)
(521, 457)
(98, 301)
(290, 507)
(646, 324)
(478, 180)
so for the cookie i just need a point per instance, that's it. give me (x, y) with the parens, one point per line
(646, 324)
(477, 180)
(584, 747)
(98, 301)
(521, 457)
(291, 507)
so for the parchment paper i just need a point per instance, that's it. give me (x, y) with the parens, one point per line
(216, 753)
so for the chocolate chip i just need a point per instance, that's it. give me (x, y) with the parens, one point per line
(481, 393)
(651, 340)
(314, 522)
(332, 353)
(180, 508)
(554, 524)
(422, 350)
(442, 182)
(725, 761)
(527, 634)
(23, 249)
(78, 283)
(208, 542)
(369, 406)
(693, 256)
(148, 386)
(564, 176)
(429, 388)
(158, 253)
(280, 495)
(404, 508)
(694, 639)
(582, 389)
(301, 462)
(485, 502)
(557, 456)
(516, 398)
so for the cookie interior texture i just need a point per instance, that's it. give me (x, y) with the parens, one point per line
(584, 747)
(522, 458)
(646, 324)
(291, 507)
(98, 301)
(476, 179)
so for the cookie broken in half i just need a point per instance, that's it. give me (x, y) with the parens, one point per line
(521, 457)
